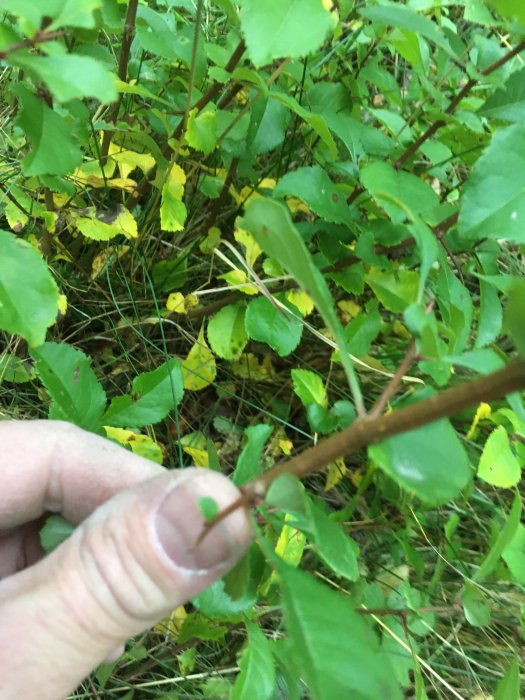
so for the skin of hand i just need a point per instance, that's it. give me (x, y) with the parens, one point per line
(129, 562)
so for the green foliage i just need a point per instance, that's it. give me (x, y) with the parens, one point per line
(76, 395)
(25, 310)
(334, 193)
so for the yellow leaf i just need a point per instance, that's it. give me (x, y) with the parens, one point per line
(248, 366)
(286, 446)
(141, 445)
(289, 547)
(127, 161)
(172, 625)
(335, 472)
(252, 250)
(482, 413)
(172, 209)
(50, 221)
(238, 277)
(349, 307)
(106, 256)
(102, 226)
(208, 245)
(295, 205)
(301, 300)
(179, 304)
(120, 183)
(199, 369)
(62, 304)
(194, 444)
(175, 303)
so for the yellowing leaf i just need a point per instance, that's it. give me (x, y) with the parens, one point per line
(252, 250)
(201, 133)
(172, 625)
(127, 161)
(286, 446)
(238, 277)
(289, 547)
(106, 257)
(50, 221)
(141, 445)
(498, 464)
(349, 307)
(199, 369)
(335, 472)
(62, 304)
(179, 304)
(301, 300)
(248, 366)
(208, 245)
(295, 205)
(102, 226)
(482, 413)
(195, 445)
(120, 183)
(172, 209)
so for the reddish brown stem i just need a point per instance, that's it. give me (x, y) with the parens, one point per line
(39, 38)
(370, 430)
(125, 49)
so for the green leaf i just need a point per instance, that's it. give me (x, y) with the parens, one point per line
(270, 224)
(490, 315)
(201, 132)
(337, 549)
(248, 465)
(14, 369)
(396, 291)
(435, 475)
(54, 152)
(515, 315)
(28, 293)
(309, 387)
(215, 602)
(509, 686)
(403, 18)
(274, 325)
(492, 203)
(317, 191)
(506, 536)
(508, 102)
(71, 13)
(54, 532)
(196, 626)
(172, 209)
(208, 507)
(153, 395)
(70, 76)
(402, 195)
(315, 121)
(227, 335)
(283, 28)
(498, 465)
(513, 9)
(76, 394)
(334, 648)
(475, 606)
(256, 679)
(287, 493)
(514, 555)
(363, 330)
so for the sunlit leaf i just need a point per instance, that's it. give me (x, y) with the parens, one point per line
(199, 369)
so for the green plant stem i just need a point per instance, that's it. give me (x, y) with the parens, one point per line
(370, 430)
(191, 78)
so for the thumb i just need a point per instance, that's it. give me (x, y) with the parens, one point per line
(124, 568)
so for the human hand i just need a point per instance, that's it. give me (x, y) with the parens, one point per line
(127, 565)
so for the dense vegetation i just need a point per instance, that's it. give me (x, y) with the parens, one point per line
(231, 230)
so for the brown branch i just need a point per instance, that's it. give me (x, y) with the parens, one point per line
(370, 430)
(214, 88)
(409, 152)
(391, 388)
(125, 49)
(39, 38)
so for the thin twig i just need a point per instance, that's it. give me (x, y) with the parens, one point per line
(39, 38)
(391, 388)
(370, 430)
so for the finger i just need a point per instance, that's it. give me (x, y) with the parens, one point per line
(121, 571)
(20, 548)
(55, 466)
